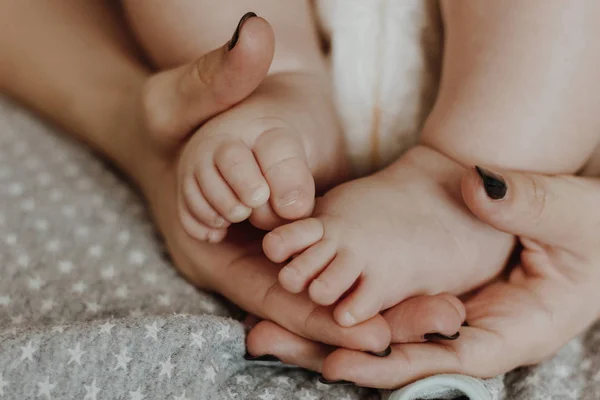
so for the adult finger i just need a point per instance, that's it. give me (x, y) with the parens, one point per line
(555, 210)
(251, 282)
(411, 320)
(424, 318)
(269, 341)
(178, 100)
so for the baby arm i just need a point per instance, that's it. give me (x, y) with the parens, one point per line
(520, 87)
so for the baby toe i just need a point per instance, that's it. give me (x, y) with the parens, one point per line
(193, 199)
(335, 280)
(198, 230)
(220, 196)
(290, 239)
(296, 276)
(283, 162)
(363, 303)
(239, 168)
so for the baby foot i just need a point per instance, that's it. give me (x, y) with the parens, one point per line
(399, 233)
(262, 157)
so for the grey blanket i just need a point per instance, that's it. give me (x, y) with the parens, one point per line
(91, 309)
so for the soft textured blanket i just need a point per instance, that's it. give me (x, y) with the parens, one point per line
(90, 308)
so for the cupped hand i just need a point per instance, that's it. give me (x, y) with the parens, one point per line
(174, 103)
(548, 297)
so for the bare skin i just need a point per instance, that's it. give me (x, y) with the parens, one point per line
(502, 102)
(262, 158)
(550, 296)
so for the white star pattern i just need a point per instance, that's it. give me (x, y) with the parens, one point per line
(47, 305)
(23, 261)
(68, 211)
(58, 329)
(267, 395)
(3, 384)
(65, 267)
(210, 373)
(164, 299)
(136, 257)
(122, 360)
(44, 179)
(91, 391)
(82, 231)
(283, 380)
(79, 287)
(41, 225)
(108, 272)
(306, 395)
(56, 195)
(123, 237)
(122, 292)
(95, 251)
(166, 368)
(92, 306)
(45, 388)
(106, 327)
(28, 205)
(150, 277)
(53, 246)
(137, 395)
(4, 300)
(35, 283)
(198, 339)
(224, 331)
(151, 331)
(208, 305)
(76, 354)
(15, 189)
(10, 240)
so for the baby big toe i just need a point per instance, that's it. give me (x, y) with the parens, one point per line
(283, 162)
(290, 239)
(239, 168)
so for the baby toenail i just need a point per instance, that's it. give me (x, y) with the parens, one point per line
(347, 319)
(214, 237)
(260, 196)
(220, 222)
(239, 213)
(290, 198)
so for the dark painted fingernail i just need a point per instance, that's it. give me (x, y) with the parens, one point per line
(494, 185)
(236, 34)
(340, 382)
(264, 357)
(439, 336)
(465, 323)
(383, 353)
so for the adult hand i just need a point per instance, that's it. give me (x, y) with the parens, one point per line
(177, 101)
(550, 296)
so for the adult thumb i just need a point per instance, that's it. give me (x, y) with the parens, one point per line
(559, 211)
(178, 100)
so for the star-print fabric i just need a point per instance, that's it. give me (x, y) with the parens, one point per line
(91, 309)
